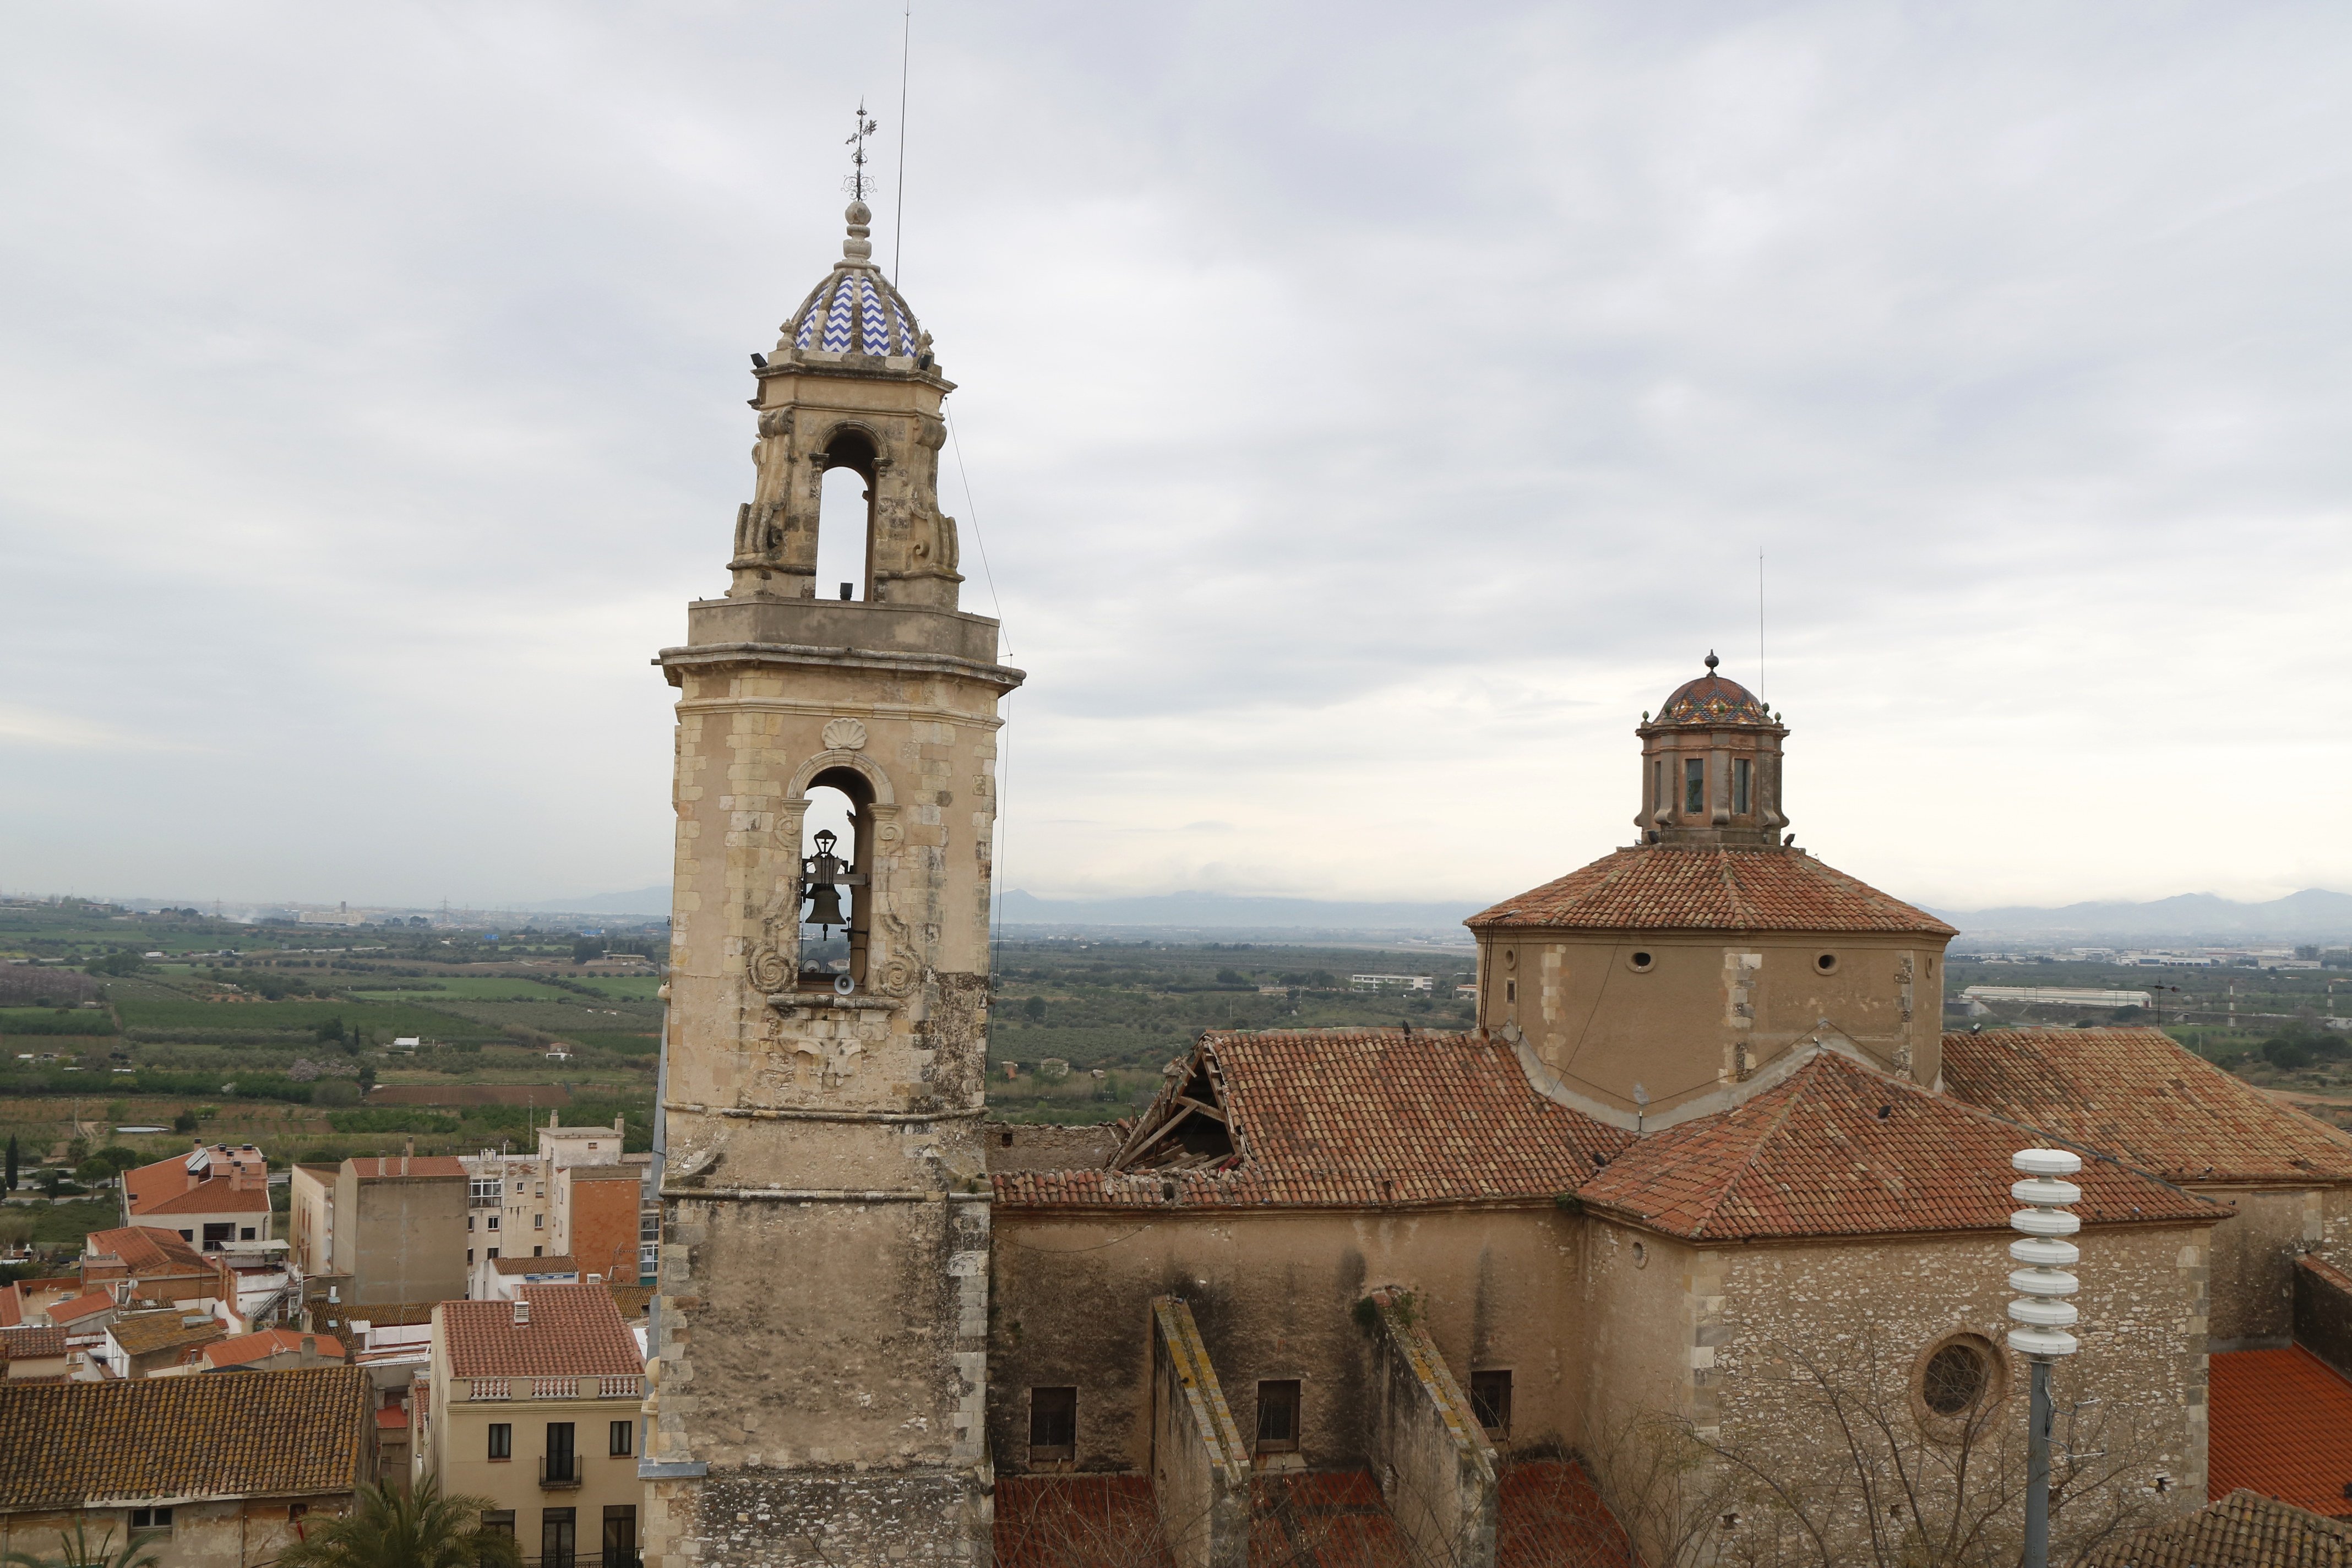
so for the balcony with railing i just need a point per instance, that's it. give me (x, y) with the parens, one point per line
(559, 1472)
(628, 1385)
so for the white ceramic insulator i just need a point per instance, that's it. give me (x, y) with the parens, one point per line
(2045, 1193)
(2045, 1342)
(2044, 1282)
(2046, 1161)
(2046, 1222)
(2042, 1253)
(2040, 1315)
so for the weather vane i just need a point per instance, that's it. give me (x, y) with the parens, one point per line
(857, 184)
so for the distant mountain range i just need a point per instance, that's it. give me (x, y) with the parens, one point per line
(2314, 914)
(1227, 911)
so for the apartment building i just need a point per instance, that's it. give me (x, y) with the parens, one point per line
(212, 1195)
(536, 1404)
(575, 1195)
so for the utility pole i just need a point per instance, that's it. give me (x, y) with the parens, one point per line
(2041, 1311)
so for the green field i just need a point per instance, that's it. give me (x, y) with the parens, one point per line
(468, 987)
(387, 1019)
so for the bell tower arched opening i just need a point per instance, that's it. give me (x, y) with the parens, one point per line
(836, 879)
(844, 525)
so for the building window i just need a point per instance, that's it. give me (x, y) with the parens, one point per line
(489, 1252)
(151, 1518)
(1694, 784)
(1510, 991)
(559, 1537)
(620, 1535)
(1277, 1416)
(1957, 1377)
(624, 1438)
(498, 1521)
(469, 1255)
(501, 1440)
(470, 1224)
(562, 1459)
(1660, 799)
(539, 1252)
(1743, 774)
(494, 1222)
(1053, 1424)
(484, 1190)
(1490, 1401)
(244, 1233)
(538, 1222)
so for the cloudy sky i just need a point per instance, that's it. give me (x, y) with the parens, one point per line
(1368, 410)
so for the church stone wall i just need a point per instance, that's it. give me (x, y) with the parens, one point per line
(1722, 1336)
(2254, 1254)
(1274, 1296)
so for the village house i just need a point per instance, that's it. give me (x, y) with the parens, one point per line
(163, 1342)
(535, 1403)
(211, 1196)
(204, 1472)
(271, 1350)
(34, 1354)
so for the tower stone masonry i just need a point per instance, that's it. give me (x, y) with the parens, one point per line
(819, 1329)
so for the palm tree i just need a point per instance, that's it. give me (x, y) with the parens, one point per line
(388, 1528)
(78, 1551)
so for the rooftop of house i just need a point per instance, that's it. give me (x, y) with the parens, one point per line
(2281, 1425)
(220, 1179)
(2138, 1094)
(145, 1333)
(1338, 1118)
(2244, 1530)
(534, 1266)
(572, 1331)
(248, 1348)
(1665, 886)
(145, 1251)
(1841, 1149)
(32, 1343)
(80, 1306)
(264, 1434)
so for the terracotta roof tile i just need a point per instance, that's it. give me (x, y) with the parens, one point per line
(1840, 1149)
(144, 1334)
(32, 1344)
(82, 1307)
(563, 1265)
(213, 1197)
(245, 1348)
(1549, 1515)
(2139, 1095)
(391, 1418)
(1708, 888)
(146, 1250)
(1356, 1117)
(575, 1330)
(2281, 1426)
(1078, 1521)
(2244, 1530)
(267, 1433)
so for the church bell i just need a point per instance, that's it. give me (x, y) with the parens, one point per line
(819, 874)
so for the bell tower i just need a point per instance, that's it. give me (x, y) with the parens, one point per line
(819, 1331)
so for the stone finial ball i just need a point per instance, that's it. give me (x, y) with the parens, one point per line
(859, 212)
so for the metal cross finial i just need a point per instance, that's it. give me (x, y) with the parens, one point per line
(857, 183)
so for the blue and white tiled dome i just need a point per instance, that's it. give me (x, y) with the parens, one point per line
(855, 310)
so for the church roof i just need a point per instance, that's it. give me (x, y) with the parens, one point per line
(1840, 1149)
(2138, 1095)
(854, 310)
(2281, 1423)
(1670, 887)
(1354, 1118)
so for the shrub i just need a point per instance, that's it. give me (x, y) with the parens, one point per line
(2282, 1052)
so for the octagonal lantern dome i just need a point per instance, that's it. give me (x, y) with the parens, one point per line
(855, 310)
(1713, 699)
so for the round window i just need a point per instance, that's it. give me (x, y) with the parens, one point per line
(1956, 1379)
(1641, 1256)
(1826, 962)
(1639, 963)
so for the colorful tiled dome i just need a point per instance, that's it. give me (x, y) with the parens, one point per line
(1711, 699)
(855, 310)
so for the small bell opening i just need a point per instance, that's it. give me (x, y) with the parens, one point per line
(834, 882)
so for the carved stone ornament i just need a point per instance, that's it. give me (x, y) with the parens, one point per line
(845, 735)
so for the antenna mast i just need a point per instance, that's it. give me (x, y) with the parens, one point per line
(899, 217)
